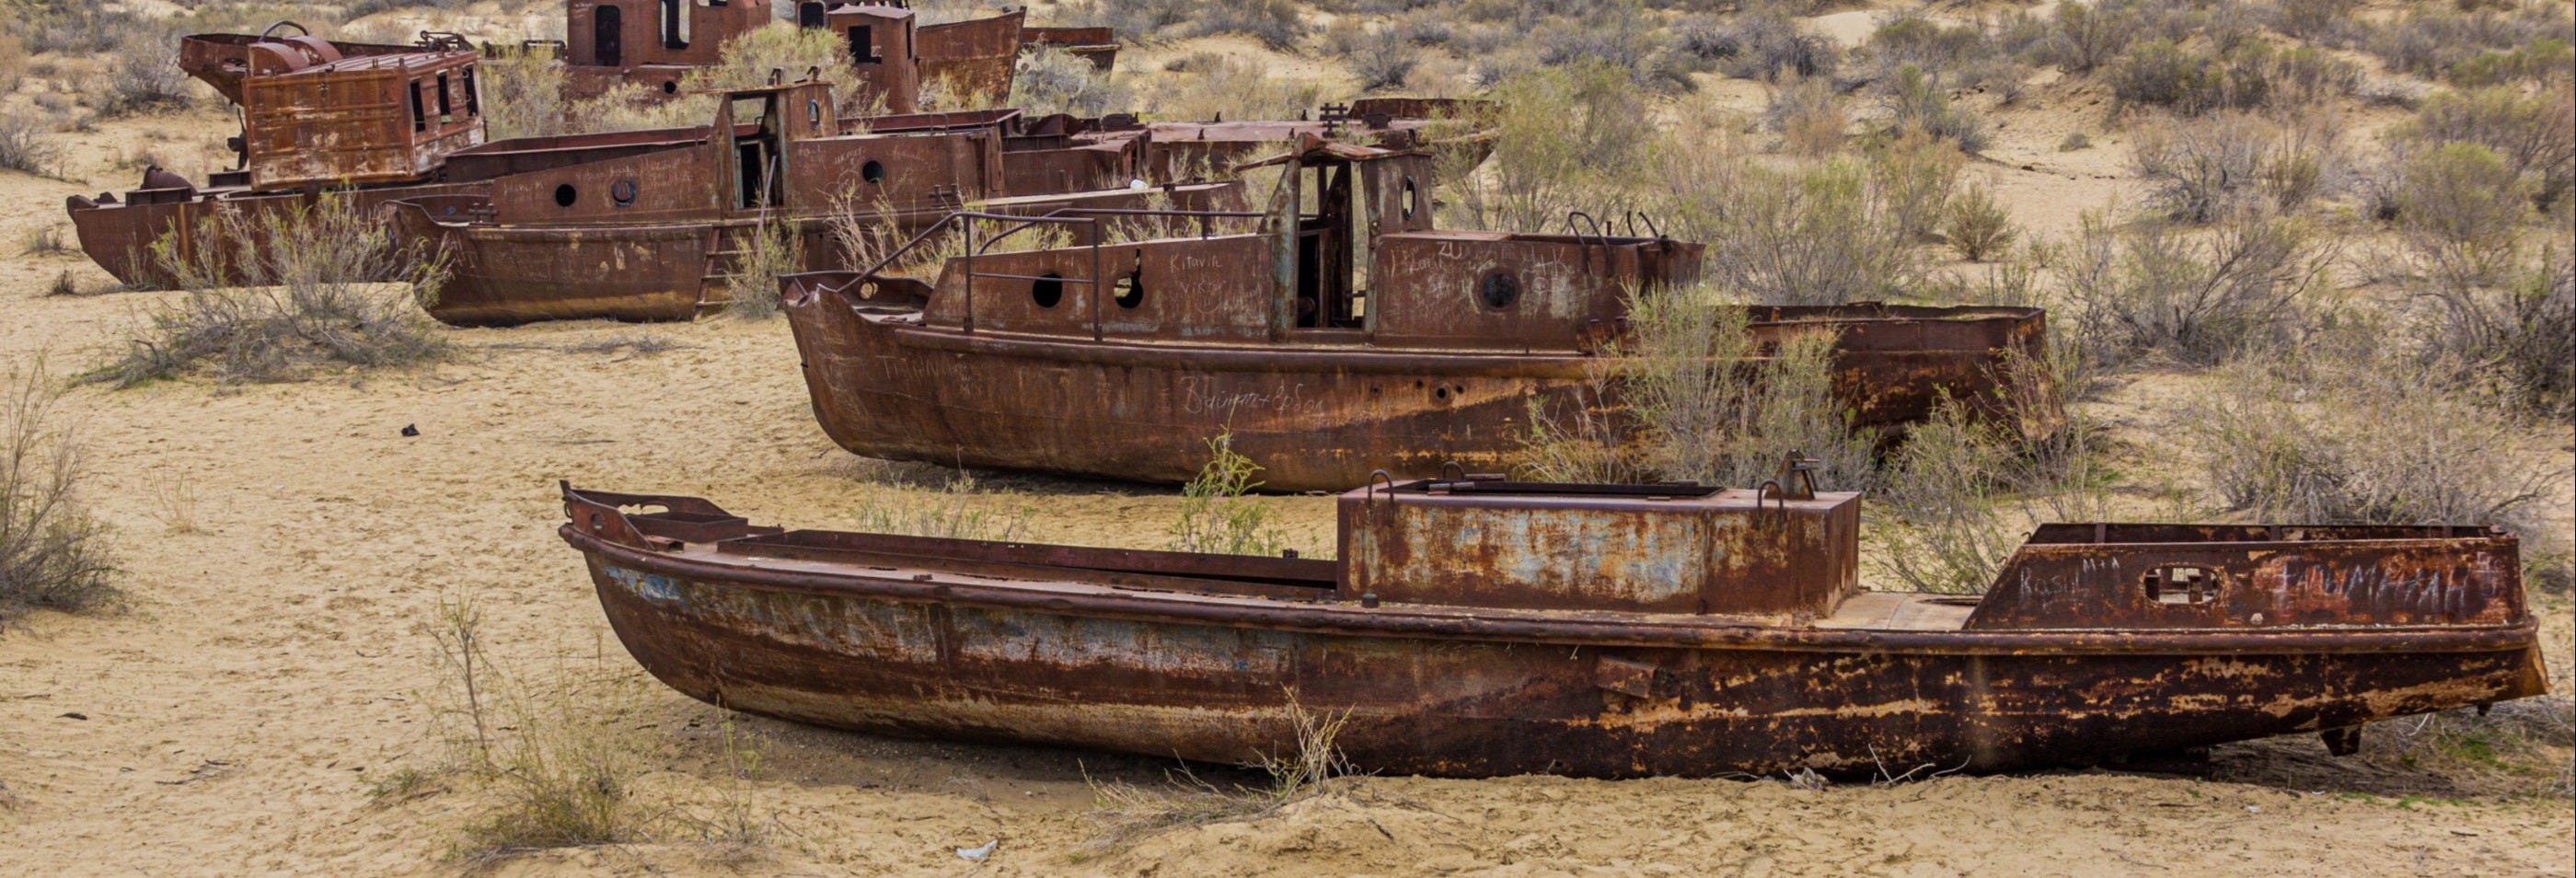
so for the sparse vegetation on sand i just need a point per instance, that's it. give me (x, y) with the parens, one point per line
(322, 283)
(53, 553)
(1217, 513)
(1127, 812)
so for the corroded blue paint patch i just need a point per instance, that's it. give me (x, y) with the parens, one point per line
(653, 587)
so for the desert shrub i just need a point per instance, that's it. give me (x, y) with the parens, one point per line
(2078, 37)
(959, 510)
(1707, 401)
(53, 553)
(2534, 133)
(2197, 171)
(2516, 340)
(2476, 47)
(767, 250)
(562, 754)
(1976, 226)
(2461, 205)
(1916, 101)
(143, 74)
(1817, 234)
(1953, 495)
(323, 282)
(1275, 23)
(1909, 38)
(1216, 515)
(2196, 297)
(1618, 34)
(1563, 137)
(2305, 76)
(1915, 173)
(1051, 80)
(25, 146)
(1810, 116)
(748, 59)
(1222, 86)
(2328, 21)
(13, 62)
(1380, 58)
(2309, 441)
(523, 96)
(1136, 22)
(2163, 73)
(1766, 44)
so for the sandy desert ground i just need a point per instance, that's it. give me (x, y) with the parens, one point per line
(284, 549)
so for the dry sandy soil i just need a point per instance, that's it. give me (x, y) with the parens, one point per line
(284, 547)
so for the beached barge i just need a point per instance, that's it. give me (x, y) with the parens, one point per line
(1475, 627)
(1334, 335)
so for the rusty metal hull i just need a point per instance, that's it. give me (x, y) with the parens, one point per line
(919, 645)
(1314, 415)
(119, 236)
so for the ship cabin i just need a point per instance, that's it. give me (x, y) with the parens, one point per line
(652, 43)
(779, 149)
(1344, 254)
(319, 113)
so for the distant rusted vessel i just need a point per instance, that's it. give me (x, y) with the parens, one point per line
(1475, 627)
(1335, 334)
(649, 46)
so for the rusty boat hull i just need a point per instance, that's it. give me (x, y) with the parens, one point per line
(1314, 415)
(1100, 649)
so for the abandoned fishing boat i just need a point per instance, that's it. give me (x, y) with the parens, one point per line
(1332, 336)
(375, 122)
(648, 47)
(1474, 627)
(660, 234)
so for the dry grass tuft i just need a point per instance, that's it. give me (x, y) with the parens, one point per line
(561, 756)
(958, 511)
(1705, 402)
(25, 145)
(53, 553)
(329, 286)
(1216, 515)
(1126, 812)
(766, 251)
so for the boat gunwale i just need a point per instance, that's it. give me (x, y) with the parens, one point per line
(1569, 628)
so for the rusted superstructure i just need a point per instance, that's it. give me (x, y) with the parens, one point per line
(652, 44)
(659, 233)
(1474, 627)
(375, 121)
(1335, 334)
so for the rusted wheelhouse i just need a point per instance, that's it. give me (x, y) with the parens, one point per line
(1335, 334)
(651, 45)
(1475, 627)
(658, 234)
(376, 121)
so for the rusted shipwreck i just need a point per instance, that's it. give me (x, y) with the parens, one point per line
(1475, 627)
(1335, 334)
(660, 231)
(648, 47)
(374, 122)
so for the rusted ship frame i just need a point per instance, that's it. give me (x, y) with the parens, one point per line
(1342, 336)
(659, 235)
(371, 120)
(651, 45)
(1474, 628)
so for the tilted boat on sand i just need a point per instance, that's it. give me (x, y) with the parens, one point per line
(1475, 627)
(1335, 335)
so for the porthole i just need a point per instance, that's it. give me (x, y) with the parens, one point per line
(814, 114)
(1412, 199)
(873, 171)
(622, 192)
(565, 195)
(1047, 290)
(1498, 289)
(670, 86)
(1129, 291)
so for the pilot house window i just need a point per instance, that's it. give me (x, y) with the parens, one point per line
(863, 45)
(419, 114)
(675, 24)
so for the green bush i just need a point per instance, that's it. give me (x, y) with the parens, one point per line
(2462, 206)
(1976, 226)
